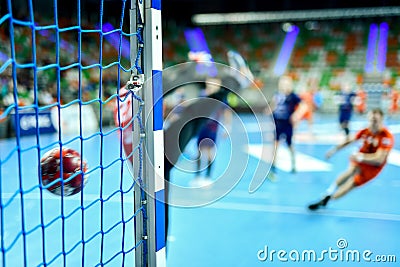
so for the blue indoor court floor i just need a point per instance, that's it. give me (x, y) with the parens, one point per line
(220, 226)
(245, 229)
(75, 232)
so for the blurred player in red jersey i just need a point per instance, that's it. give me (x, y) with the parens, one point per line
(366, 164)
(394, 101)
(361, 100)
(308, 98)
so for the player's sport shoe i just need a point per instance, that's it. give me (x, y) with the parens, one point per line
(319, 204)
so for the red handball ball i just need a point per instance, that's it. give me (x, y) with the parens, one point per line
(50, 165)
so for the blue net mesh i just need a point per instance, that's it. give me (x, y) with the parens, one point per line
(62, 67)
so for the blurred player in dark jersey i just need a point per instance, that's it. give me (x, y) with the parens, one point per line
(285, 103)
(345, 99)
(207, 136)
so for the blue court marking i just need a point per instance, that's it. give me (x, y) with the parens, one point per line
(234, 229)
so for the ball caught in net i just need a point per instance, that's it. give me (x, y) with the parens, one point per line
(73, 171)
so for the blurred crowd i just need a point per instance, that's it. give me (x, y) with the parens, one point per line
(71, 64)
(84, 63)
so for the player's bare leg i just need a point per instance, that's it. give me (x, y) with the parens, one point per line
(350, 172)
(271, 174)
(210, 159)
(273, 167)
(292, 158)
(342, 185)
(344, 189)
(345, 127)
(198, 163)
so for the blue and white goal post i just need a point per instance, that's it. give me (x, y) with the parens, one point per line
(150, 224)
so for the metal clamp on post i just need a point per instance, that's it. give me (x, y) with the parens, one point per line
(135, 83)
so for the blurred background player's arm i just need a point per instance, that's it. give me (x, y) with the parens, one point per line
(301, 109)
(335, 149)
(272, 105)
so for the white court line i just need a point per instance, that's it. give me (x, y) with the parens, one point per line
(322, 130)
(318, 139)
(304, 163)
(303, 211)
(394, 157)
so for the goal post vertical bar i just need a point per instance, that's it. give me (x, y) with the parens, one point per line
(154, 149)
(140, 261)
(149, 225)
(149, 15)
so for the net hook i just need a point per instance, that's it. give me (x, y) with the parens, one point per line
(135, 83)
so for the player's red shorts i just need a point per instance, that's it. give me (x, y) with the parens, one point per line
(366, 174)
